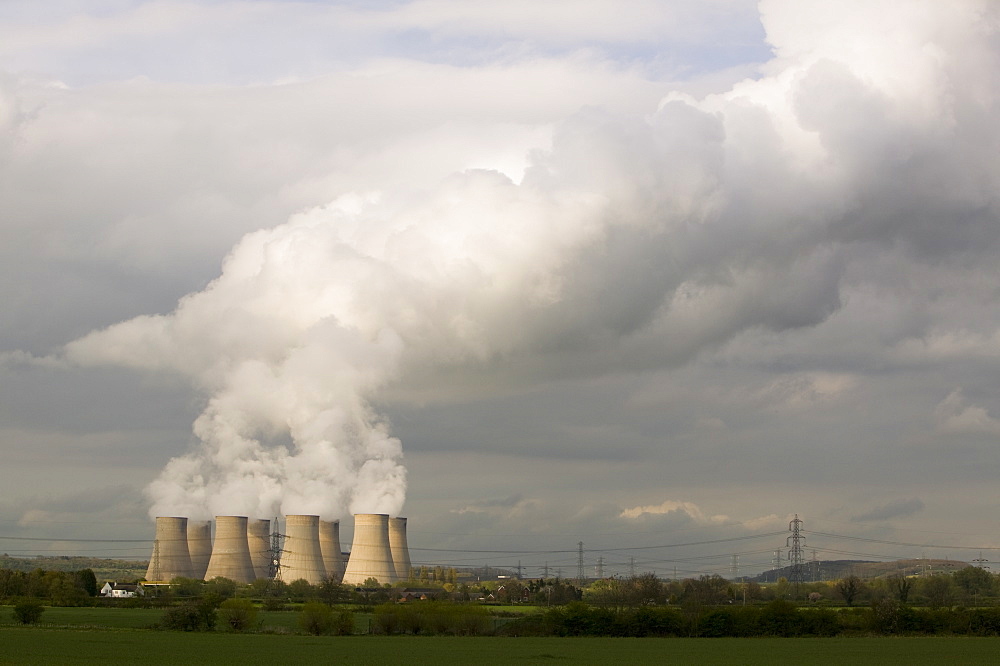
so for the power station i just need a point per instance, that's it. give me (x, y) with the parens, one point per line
(243, 550)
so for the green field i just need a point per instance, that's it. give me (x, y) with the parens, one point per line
(39, 645)
(118, 635)
(142, 618)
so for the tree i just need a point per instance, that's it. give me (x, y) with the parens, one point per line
(63, 591)
(187, 587)
(331, 592)
(900, 587)
(28, 611)
(973, 580)
(938, 590)
(646, 589)
(849, 588)
(87, 581)
(301, 589)
(224, 587)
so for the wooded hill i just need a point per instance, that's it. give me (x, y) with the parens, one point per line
(837, 569)
(103, 568)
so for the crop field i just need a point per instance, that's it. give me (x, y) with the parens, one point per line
(47, 645)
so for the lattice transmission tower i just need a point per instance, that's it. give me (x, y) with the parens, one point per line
(277, 543)
(796, 558)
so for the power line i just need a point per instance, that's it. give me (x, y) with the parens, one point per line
(900, 543)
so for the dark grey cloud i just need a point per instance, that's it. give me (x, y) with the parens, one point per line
(894, 509)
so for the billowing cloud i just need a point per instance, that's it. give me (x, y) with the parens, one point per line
(634, 241)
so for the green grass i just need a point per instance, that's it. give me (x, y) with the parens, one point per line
(39, 645)
(111, 618)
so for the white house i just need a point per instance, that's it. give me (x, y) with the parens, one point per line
(122, 590)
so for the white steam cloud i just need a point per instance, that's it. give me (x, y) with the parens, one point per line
(631, 242)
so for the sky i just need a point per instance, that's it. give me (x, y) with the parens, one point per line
(654, 276)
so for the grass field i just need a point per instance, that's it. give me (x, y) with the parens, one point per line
(143, 618)
(40, 645)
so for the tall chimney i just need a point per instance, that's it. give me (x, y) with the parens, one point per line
(329, 545)
(301, 556)
(231, 551)
(259, 539)
(199, 533)
(371, 556)
(400, 551)
(170, 556)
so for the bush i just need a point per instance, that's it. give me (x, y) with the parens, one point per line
(343, 623)
(28, 611)
(238, 614)
(316, 618)
(780, 618)
(387, 619)
(190, 617)
(275, 604)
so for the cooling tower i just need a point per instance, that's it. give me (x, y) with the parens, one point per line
(301, 556)
(400, 551)
(199, 546)
(329, 545)
(371, 556)
(231, 551)
(259, 539)
(170, 557)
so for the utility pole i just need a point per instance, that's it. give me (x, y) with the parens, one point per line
(600, 567)
(734, 569)
(546, 570)
(579, 564)
(631, 567)
(519, 569)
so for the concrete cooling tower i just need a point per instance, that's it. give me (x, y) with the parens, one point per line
(400, 551)
(329, 545)
(259, 539)
(199, 533)
(371, 555)
(301, 556)
(170, 557)
(231, 551)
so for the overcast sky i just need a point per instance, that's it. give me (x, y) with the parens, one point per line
(632, 274)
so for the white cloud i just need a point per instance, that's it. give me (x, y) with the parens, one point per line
(670, 507)
(955, 416)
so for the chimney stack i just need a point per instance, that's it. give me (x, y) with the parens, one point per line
(259, 538)
(400, 551)
(371, 556)
(329, 545)
(301, 556)
(231, 551)
(199, 533)
(170, 557)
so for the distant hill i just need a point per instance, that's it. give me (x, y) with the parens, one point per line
(103, 568)
(837, 569)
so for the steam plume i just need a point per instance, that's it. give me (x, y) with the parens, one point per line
(632, 242)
